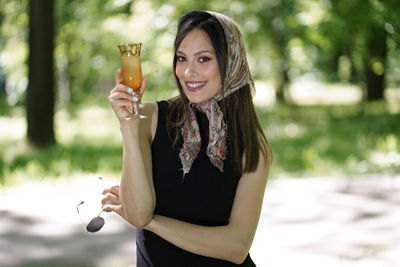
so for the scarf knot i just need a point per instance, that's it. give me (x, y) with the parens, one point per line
(216, 148)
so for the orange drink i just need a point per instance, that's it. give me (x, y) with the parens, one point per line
(130, 64)
(132, 71)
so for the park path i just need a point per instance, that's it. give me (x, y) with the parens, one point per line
(349, 221)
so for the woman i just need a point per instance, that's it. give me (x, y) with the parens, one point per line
(194, 173)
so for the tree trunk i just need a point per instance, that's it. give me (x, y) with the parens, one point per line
(283, 81)
(282, 85)
(40, 92)
(376, 63)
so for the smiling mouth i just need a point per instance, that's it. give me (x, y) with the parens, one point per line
(195, 86)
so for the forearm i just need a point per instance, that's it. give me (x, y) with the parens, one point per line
(137, 190)
(221, 242)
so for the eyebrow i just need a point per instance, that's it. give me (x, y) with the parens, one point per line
(197, 53)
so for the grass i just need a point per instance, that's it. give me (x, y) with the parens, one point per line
(306, 140)
(334, 140)
(88, 141)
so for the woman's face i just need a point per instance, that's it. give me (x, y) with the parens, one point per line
(197, 67)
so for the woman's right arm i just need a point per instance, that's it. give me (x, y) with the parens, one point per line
(137, 193)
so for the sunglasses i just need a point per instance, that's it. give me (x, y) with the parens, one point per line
(97, 222)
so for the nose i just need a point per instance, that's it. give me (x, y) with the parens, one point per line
(190, 70)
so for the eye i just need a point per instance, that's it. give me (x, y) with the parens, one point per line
(204, 59)
(180, 58)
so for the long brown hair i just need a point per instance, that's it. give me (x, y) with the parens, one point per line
(245, 135)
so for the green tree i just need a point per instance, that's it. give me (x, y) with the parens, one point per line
(279, 25)
(84, 51)
(382, 28)
(375, 61)
(358, 31)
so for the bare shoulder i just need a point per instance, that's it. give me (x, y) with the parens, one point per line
(264, 164)
(148, 125)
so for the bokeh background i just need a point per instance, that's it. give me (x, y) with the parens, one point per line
(327, 76)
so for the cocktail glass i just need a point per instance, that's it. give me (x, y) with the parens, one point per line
(132, 72)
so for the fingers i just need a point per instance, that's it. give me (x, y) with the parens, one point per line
(112, 203)
(116, 208)
(118, 76)
(123, 89)
(121, 97)
(123, 92)
(121, 104)
(110, 199)
(118, 96)
(108, 208)
(112, 189)
(143, 85)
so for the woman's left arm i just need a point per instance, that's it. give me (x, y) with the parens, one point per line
(231, 242)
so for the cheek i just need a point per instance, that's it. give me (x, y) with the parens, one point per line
(179, 71)
(213, 73)
(208, 71)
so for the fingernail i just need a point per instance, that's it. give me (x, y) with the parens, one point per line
(110, 202)
(135, 98)
(141, 105)
(130, 90)
(106, 209)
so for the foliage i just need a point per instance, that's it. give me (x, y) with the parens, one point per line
(287, 39)
(307, 141)
(14, 48)
(88, 143)
(83, 52)
(343, 34)
(334, 140)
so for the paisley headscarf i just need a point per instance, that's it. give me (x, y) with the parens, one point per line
(237, 75)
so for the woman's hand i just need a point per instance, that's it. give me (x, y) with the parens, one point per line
(112, 202)
(122, 97)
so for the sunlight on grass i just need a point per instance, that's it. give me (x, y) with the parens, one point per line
(91, 124)
(307, 92)
(387, 153)
(333, 140)
(88, 142)
(12, 128)
(307, 141)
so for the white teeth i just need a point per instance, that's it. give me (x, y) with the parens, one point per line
(194, 85)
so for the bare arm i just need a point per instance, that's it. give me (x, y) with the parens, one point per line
(231, 242)
(136, 189)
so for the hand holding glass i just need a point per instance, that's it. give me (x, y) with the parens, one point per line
(132, 72)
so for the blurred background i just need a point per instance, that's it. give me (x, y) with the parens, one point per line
(327, 77)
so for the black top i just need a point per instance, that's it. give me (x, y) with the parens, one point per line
(204, 197)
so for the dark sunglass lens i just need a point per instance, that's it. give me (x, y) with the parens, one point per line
(95, 224)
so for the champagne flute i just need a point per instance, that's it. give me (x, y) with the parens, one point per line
(132, 72)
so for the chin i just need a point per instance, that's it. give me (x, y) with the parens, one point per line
(198, 97)
(195, 98)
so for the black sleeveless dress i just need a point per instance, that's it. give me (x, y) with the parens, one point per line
(205, 197)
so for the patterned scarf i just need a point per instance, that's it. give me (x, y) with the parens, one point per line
(237, 76)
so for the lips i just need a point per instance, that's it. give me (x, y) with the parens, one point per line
(195, 86)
